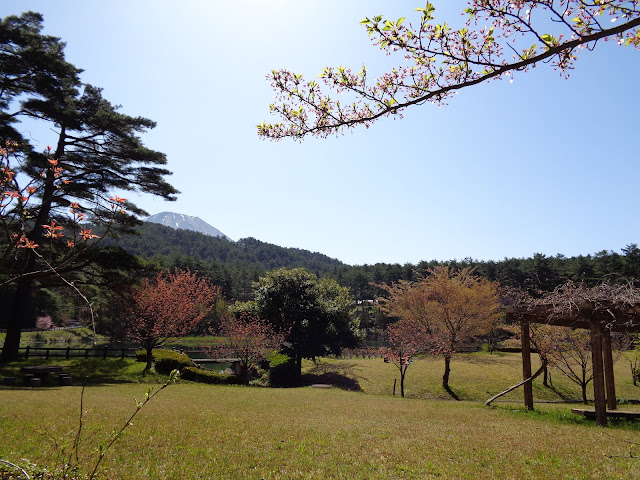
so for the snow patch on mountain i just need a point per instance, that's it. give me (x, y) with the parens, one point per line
(185, 222)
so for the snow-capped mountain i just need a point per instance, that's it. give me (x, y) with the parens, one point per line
(185, 222)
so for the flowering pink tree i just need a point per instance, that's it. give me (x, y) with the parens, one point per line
(500, 38)
(167, 307)
(405, 339)
(248, 338)
(403, 343)
(44, 322)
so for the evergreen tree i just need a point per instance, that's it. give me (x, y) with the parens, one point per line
(313, 314)
(97, 151)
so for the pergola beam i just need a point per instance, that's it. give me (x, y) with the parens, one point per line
(602, 309)
(610, 384)
(526, 364)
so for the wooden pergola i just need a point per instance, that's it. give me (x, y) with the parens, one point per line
(603, 310)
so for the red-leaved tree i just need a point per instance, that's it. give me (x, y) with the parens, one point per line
(167, 307)
(248, 338)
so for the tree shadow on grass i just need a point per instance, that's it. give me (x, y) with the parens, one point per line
(100, 372)
(341, 375)
(488, 359)
(451, 393)
(563, 395)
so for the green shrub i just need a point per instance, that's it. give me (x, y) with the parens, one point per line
(283, 371)
(166, 360)
(202, 375)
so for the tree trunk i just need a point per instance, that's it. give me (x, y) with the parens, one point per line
(447, 371)
(546, 377)
(584, 393)
(244, 373)
(149, 359)
(298, 368)
(19, 312)
(402, 383)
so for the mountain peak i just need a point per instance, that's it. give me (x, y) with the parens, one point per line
(185, 222)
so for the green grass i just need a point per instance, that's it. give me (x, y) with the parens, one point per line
(474, 376)
(83, 338)
(204, 431)
(74, 337)
(195, 341)
(198, 431)
(90, 371)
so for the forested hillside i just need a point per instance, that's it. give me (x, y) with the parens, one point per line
(235, 265)
(231, 265)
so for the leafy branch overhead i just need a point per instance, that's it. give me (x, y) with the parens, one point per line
(500, 37)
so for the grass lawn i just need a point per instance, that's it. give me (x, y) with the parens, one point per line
(201, 431)
(82, 337)
(74, 337)
(91, 371)
(474, 376)
(222, 432)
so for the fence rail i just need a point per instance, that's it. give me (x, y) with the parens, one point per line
(68, 352)
(52, 329)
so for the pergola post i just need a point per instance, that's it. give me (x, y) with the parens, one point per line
(598, 373)
(526, 364)
(609, 378)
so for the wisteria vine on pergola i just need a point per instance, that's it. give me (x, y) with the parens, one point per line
(500, 37)
(615, 306)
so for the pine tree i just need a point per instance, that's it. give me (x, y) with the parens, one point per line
(97, 152)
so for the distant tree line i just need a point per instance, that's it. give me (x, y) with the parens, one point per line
(236, 266)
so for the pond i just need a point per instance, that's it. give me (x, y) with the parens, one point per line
(215, 366)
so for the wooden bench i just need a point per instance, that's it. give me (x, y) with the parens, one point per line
(591, 414)
(41, 371)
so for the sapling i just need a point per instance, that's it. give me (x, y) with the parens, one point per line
(71, 464)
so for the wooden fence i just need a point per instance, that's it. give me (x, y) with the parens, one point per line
(68, 352)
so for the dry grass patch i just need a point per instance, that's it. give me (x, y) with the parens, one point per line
(474, 376)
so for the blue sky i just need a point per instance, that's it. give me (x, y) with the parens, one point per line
(540, 165)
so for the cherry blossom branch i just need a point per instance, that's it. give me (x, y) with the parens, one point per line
(445, 61)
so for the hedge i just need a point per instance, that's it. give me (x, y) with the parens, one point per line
(203, 375)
